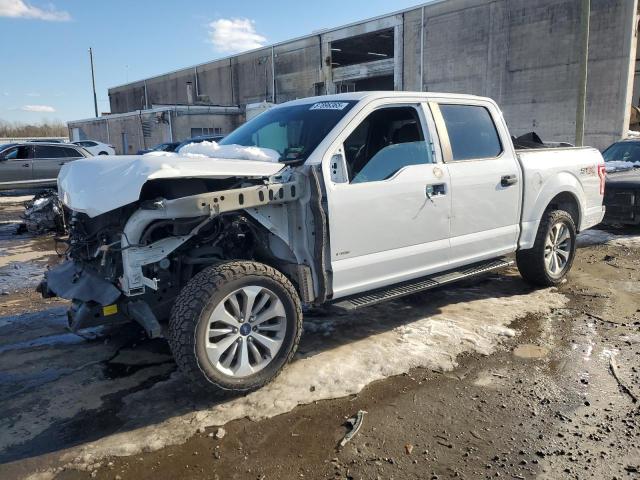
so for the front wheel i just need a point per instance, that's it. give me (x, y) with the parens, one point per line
(550, 259)
(235, 325)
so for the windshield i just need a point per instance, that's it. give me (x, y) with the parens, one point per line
(294, 132)
(623, 152)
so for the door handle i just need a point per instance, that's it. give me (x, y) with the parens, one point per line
(508, 180)
(435, 190)
(61, 163)
(26, 165)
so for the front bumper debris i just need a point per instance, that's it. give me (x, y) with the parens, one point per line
(74, 282)
(89, 314)
(95, 301)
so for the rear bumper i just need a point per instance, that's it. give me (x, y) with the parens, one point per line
(592, 217)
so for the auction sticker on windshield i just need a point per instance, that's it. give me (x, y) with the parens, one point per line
(329, 106)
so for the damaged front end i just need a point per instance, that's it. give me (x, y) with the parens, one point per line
(90, 276)
(131, 263)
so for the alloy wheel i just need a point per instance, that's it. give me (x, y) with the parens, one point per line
(245, 331)
(557, 249)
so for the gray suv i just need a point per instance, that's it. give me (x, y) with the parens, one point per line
(26, 165)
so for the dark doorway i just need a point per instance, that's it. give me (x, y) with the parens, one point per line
(369, 47)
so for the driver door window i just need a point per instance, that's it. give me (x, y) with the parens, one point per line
(386, 141)
(17, 153)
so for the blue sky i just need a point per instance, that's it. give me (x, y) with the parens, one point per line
(44, 43)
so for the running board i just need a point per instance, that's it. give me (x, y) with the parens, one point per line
(367, 299)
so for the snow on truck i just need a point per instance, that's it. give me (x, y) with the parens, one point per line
(351, 199)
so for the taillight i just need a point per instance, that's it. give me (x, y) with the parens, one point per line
(602, 174)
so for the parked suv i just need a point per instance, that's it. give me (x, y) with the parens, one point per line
(25, 165)
(204, 138)
(162, 147)
(622, 192)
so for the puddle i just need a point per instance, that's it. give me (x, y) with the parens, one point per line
(529, 351)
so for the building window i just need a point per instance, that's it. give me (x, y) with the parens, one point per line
(200, 132)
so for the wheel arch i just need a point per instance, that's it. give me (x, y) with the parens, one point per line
(568, 202)
(277, 252)
(563, 192)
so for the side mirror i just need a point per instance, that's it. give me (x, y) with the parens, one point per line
(338, 166)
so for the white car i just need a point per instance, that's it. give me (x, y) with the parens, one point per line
(96, 148)
(350, 199)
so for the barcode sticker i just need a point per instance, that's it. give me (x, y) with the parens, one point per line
(329, 106)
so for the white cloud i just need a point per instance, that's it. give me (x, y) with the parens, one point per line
(22, 9)
(232, 35)
(32, 94)
(38, 108)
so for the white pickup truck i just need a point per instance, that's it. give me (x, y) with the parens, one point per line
(351, 199)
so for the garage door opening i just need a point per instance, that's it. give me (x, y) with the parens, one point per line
(364, 62)
(366, 48)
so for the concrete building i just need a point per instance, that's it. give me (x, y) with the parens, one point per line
(523, 53)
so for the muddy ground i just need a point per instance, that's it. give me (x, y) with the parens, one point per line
(483, 380)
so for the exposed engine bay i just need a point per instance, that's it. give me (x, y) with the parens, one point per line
(131, 262)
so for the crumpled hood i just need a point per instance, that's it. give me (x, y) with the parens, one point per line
(100, 184)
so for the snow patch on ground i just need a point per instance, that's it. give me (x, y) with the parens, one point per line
(598, 237)
(364, 347)
(23, 261)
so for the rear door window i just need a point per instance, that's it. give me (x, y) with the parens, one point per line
(48, 151)
(472, 133)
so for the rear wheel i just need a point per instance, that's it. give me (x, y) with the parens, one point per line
(551, 257)
(235, 325)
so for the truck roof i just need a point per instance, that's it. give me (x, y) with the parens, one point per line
(374, 95)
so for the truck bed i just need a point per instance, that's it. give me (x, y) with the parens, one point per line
(549, 171)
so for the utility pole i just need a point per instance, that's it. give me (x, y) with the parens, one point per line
(93, 83)
(584, 70)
